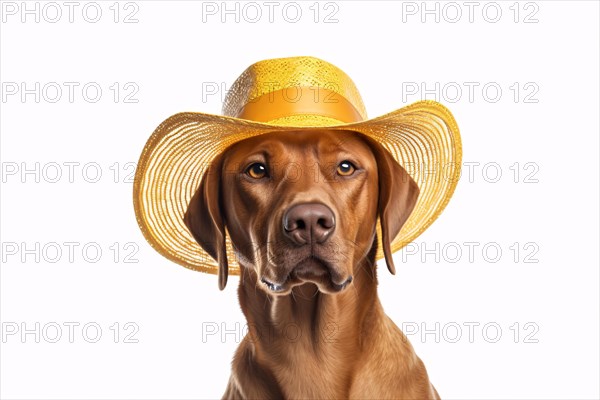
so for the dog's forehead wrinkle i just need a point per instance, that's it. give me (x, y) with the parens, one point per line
(264, 152)
(320, 141)
(332, 143)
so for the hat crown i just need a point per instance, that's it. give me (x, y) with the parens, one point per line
(293, 90)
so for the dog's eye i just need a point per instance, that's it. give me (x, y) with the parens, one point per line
(346, 168)
(257, 171)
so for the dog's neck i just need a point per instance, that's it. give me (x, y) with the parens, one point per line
(309, 318)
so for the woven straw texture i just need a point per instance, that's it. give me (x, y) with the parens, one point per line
(423, 137)
(272, 75)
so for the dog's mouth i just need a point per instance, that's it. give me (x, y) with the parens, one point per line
(310, 270)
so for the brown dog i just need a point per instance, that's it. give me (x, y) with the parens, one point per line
(301, 210)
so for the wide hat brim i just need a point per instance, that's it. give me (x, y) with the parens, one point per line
(423, 137)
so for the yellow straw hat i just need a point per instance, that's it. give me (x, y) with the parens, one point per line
(297, 93)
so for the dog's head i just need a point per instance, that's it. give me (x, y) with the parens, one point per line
(301, 206)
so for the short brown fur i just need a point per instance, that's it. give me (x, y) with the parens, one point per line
(323, 333)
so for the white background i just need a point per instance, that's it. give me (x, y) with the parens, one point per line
(171, 56)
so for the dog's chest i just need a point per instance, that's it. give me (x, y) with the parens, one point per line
(306, 375)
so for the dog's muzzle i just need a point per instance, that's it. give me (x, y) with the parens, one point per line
(308, 227)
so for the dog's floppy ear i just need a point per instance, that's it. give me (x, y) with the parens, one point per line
(205, 220)
(398, 194)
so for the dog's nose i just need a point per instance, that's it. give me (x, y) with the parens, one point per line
(308, 222)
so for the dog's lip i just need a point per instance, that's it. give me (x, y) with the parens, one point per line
(311, 269)
(342, 286)
(274, 287)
